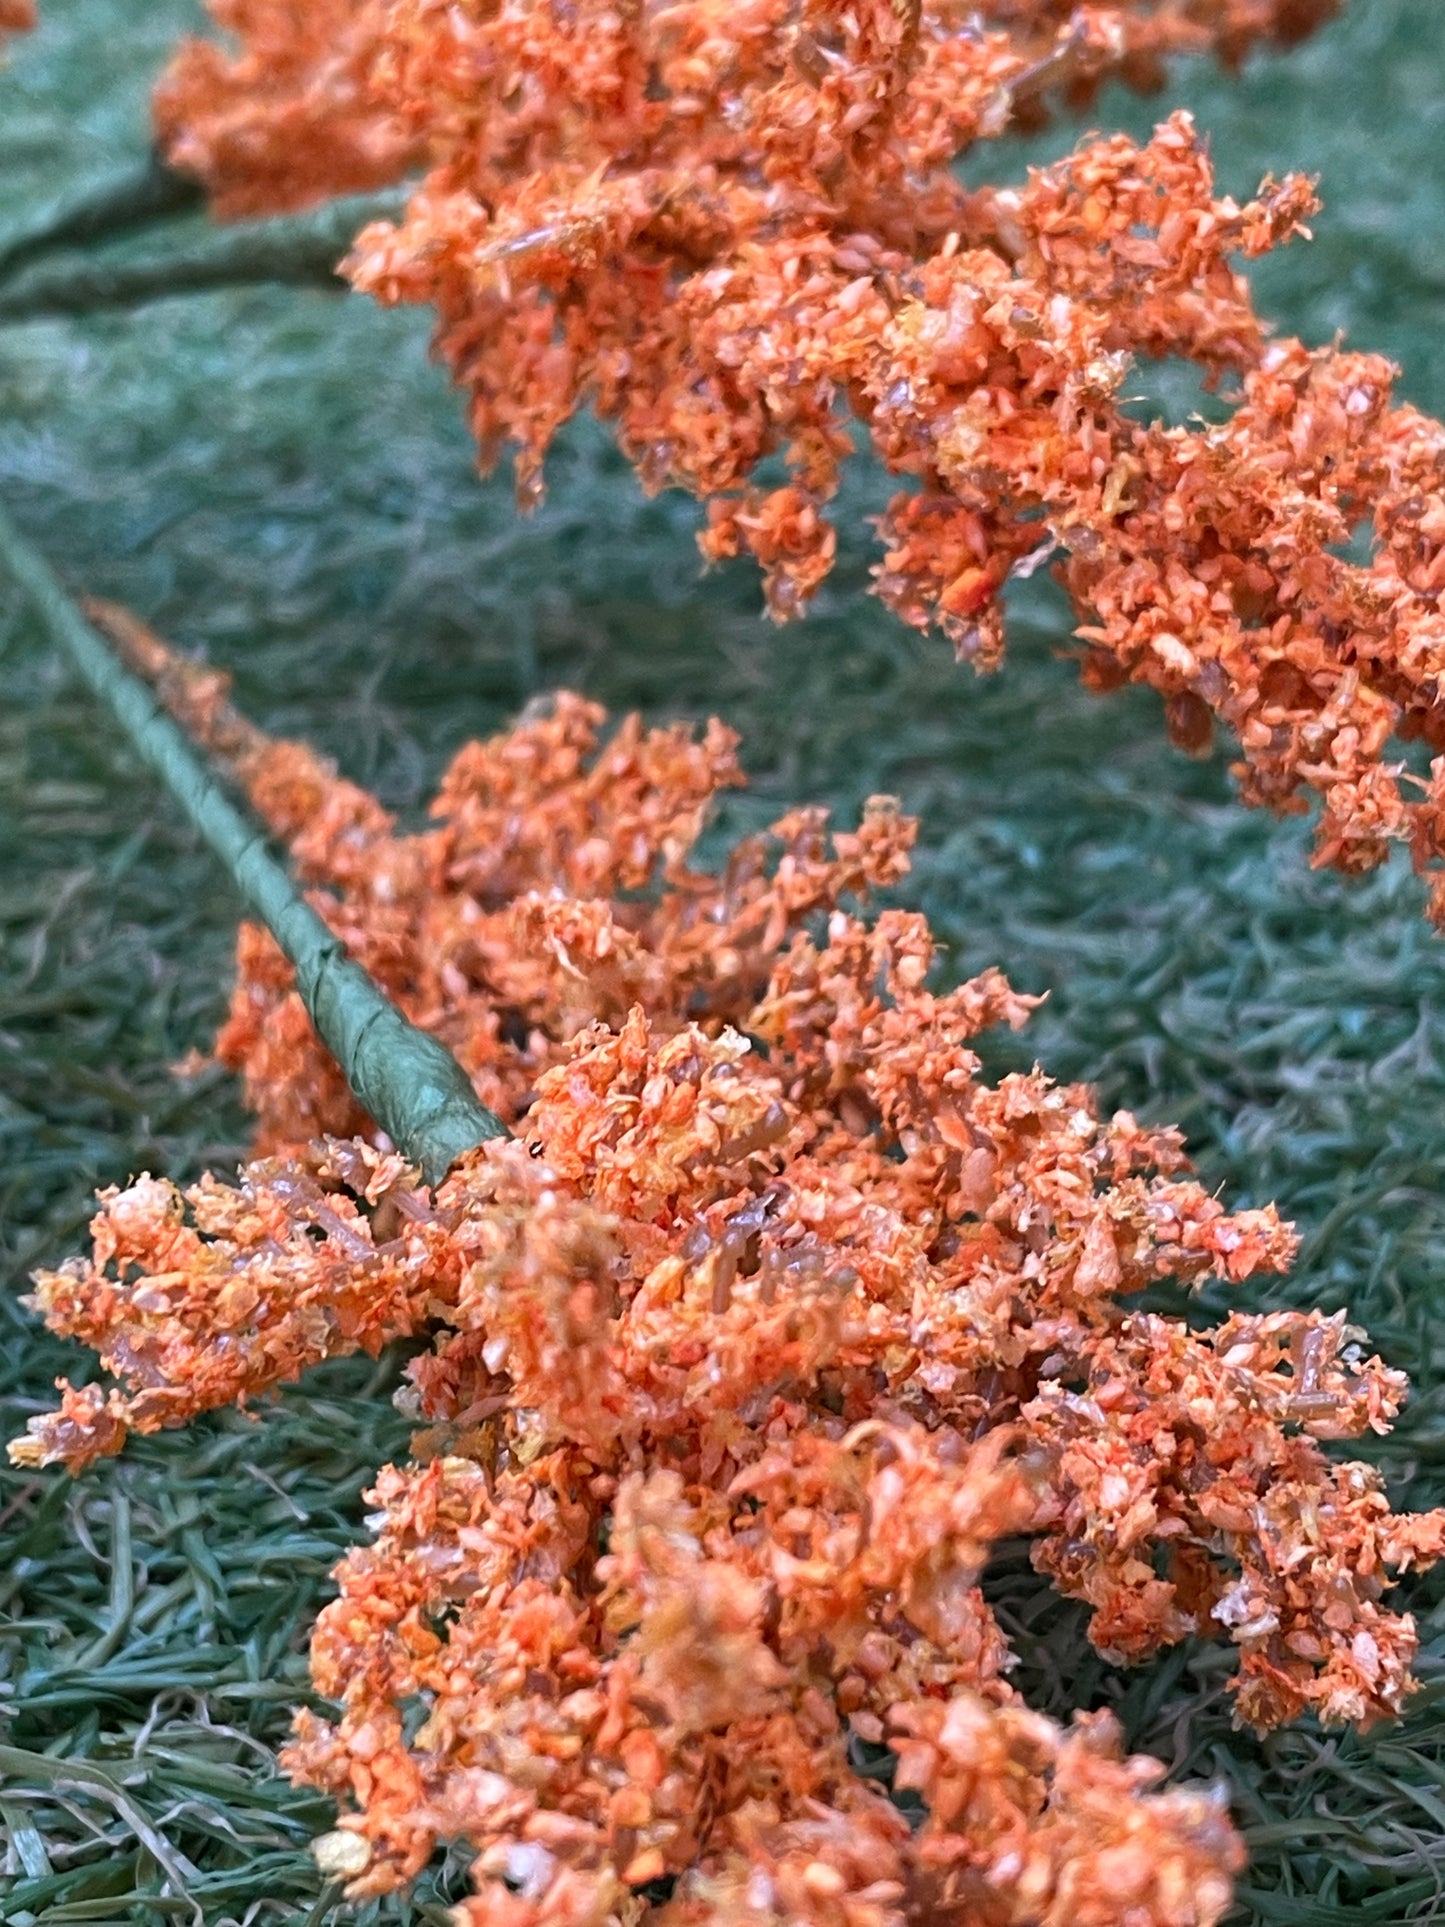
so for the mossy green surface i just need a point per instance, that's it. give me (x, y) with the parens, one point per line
(282, 480)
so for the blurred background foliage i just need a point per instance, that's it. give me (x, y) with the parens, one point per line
(281, 480)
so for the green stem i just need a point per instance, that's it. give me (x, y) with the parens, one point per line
(302, 248)
(411, 1084)
(146, 192)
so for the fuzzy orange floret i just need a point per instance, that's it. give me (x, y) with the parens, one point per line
(298, 103)
(17, 16)
(288, 119)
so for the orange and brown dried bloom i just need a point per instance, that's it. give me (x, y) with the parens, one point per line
(554, 892)
(735, 231)
(291, 117)
(773, 1317)
(298, 103)
(17, 16)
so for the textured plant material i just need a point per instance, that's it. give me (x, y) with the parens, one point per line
(409, 1083)
(293, 117)
(302, 250)
(100, 210)
(1293, 1026)
(730, 229)
(306, 103)
(16, 16)
(773, 1318)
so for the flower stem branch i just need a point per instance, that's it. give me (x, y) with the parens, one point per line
(100, 210)
(409, 1082)
(299, 249)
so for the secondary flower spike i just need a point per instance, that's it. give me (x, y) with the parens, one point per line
(773, 1317)
(730, 228)
(413, 1085)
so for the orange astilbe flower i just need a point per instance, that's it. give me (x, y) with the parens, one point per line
(292, 118)
(307, 105)
(770, 1321)
(684, 1748)
(205, 1298)
(1179, 1440)
(553, 893)
(728, 228)
(17, 16)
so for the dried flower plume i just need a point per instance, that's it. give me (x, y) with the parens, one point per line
(17, 16)
(771, 1320)
(734, 1364)
(730, 229)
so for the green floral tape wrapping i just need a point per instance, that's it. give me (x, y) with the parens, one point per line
(407, 1081)
(100, 209)
(302, 248)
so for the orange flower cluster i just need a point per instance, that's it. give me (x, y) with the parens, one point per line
(317, 100)
(17, 16)
(771, 1320)
(732, 228)
(292, 118)
(530, 911)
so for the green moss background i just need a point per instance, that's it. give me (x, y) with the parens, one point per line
(281, 480)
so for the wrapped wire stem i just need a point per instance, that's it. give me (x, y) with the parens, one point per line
(301, 249)
(101, 210)
(409, 1082)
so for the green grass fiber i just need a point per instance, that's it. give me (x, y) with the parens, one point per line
(280, 479)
